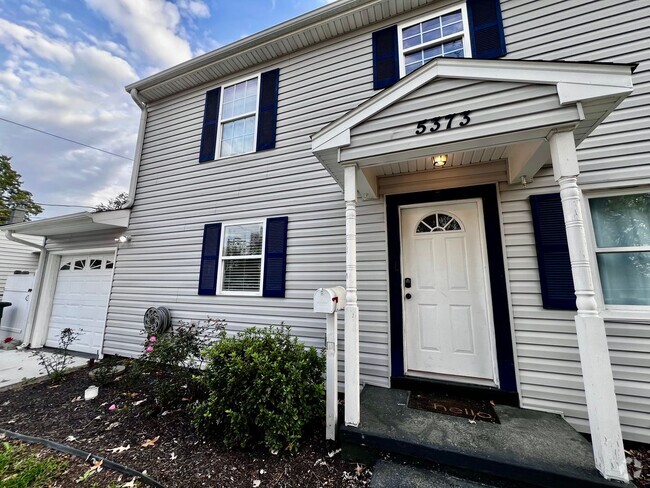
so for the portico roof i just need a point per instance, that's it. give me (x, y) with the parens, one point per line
(494, 103)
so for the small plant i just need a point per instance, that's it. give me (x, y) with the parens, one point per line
(56, 364)
(264, 388)
(171, 362)
(106, 371)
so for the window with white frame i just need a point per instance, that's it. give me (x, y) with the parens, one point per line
(442, 35)
(238, 118)
(621, 226)
(241, 258)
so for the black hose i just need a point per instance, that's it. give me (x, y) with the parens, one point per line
(83, 455)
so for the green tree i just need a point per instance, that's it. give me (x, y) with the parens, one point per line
(113, 203)
(11, 193)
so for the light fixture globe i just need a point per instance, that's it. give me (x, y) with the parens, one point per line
(439, 161)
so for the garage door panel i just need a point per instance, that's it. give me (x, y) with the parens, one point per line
(80, 301)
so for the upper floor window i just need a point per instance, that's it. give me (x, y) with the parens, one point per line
(444, 34)
(621, 226)
(239, 118)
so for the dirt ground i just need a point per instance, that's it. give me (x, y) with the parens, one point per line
(163, 443)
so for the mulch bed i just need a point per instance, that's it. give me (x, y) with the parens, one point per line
(179, 457)
(638, 464)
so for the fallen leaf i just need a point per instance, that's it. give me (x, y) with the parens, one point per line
(174, 456)
(333, 453)
(274, 452)
(129, 484)
(139, 402)
(256, 483)
(151, 442)
(97, 465)
(71, 438)
(134, 394)
(359, 469)
(119, 449)
(637, 474)
(473, 422)
(113, 425)
(3, 436)
(77, 399)
(5, 403)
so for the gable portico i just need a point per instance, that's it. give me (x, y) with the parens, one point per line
(521, 114)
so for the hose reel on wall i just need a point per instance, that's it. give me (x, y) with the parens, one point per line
(157, 320)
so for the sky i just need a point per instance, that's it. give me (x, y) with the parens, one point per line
(63, 68)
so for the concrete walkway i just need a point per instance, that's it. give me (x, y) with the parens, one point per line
(16, 366)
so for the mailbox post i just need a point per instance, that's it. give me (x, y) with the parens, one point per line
(329, 301)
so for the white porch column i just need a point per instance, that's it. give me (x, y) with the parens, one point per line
(590, 327)
(352, 390)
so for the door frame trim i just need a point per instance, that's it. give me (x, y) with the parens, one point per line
(500, 307)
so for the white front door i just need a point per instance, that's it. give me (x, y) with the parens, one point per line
(80, 301)
(448, 329)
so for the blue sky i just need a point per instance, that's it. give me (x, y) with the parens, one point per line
(63, 68)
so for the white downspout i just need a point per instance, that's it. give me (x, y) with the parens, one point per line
(36, 291)
(138, 146)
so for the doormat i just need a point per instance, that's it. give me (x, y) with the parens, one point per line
(469, 408)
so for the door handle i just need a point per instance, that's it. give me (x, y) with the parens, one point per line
(407, 296)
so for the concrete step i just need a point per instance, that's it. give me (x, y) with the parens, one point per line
(527, 447)
(387, 474)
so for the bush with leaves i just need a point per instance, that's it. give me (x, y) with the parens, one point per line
(172, 362)
(264, 388)
(55, 364)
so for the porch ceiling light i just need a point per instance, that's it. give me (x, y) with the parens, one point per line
(439, 161)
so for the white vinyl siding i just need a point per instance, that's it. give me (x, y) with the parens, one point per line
(17, 257)
(176, 197)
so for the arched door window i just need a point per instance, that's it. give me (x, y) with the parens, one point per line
(438, 222)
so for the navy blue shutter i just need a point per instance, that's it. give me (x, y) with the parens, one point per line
(210, 125)
(275, 257)
(209, 259)
(268, 110)
(486, 29)
(385, 58)
(553, 260)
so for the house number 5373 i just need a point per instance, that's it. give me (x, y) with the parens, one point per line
(443, 123)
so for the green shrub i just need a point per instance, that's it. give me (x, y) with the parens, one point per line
(171, 363)
(264, 388)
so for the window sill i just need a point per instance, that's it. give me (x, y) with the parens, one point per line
(626, 316)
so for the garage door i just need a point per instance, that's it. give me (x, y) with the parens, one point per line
(80, 301)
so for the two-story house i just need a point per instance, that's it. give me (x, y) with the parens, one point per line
(477, 174)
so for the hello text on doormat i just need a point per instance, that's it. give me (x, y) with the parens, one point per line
(469, 408)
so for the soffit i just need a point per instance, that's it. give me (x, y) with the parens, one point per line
(332, 20)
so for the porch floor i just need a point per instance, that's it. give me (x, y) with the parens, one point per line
(528, 447)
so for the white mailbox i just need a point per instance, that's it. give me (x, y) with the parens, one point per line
(329, 300)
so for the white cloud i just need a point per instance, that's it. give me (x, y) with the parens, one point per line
(76, 93)
(19, 39)
(150, 27)
(195, 8)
